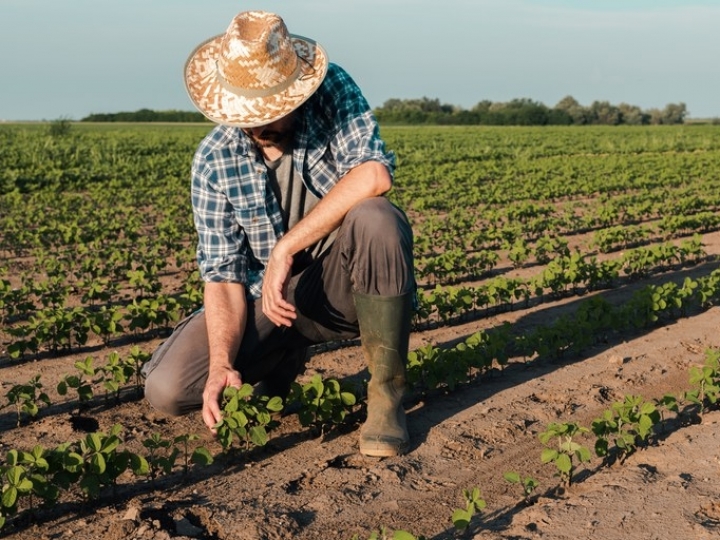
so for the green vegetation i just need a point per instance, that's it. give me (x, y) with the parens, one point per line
(527, 483)
(525, 112)
(147, 115)
(323, 402)
(97, 253)
(462, 517)
(566, 453)
(516, 112)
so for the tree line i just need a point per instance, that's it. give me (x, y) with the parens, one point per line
(147, 115)
(518, 112)
(526, 112)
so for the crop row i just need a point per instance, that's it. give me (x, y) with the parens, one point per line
(99, 461)
(56, 326)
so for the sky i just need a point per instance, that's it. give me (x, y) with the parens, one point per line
(72, 58)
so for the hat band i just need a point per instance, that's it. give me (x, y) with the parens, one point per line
(259, 92)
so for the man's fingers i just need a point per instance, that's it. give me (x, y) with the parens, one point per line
(280, 315)
(278, 310)
(214, 389)
(211, 415)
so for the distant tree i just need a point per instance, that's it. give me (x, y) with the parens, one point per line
(465, 118)
(525, 111)
(655, 115)
(482, 106)
(393, 104)
(633, 115)
(416, 111)
(674, 113)
(147, 115)
(557, 117)
(573, 109)
(602, 112)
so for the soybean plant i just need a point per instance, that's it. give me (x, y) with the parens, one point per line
(567, 450)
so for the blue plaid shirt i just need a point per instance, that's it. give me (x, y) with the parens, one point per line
(236, 213)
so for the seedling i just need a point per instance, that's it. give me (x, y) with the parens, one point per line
(82, 383)
(567, 450)
(200, 454)
(462, 517)
(668, 402)
(97, 461)
(629, 423)
(37, 470)
(246, 416)
(15, 484)
(27, 398)
(527, 483)
(322, 402)
(161, 458)
(706, 379)
(138, 358)
(115, 375)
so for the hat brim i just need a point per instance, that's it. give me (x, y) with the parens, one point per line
(227, 108)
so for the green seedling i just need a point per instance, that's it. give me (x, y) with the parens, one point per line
(706, 380)
(246, 416)
(424, 369)
(27, 398)
(462, 517)
(98, 461)
(38, 471)
(115, 374)
(527, 483)
(82, 383)
(628, 423)
(15, 484)
(160, 458)
(323, 402)
(200, 455)
(566, 451)
(138, 358)
(668, 402)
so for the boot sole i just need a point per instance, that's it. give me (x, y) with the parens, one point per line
(382, 450)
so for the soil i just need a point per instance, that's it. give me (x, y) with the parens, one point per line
(305, 486)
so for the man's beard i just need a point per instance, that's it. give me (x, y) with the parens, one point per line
(271, 138)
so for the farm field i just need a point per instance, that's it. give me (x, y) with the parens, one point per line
(569, 279)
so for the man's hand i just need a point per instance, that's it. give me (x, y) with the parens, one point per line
(218, 379)
(274, 289)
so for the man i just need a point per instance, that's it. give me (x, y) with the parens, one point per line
(296, 243)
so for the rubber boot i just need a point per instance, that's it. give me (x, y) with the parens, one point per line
(384, 332)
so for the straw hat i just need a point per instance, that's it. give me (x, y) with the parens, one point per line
(255, 73)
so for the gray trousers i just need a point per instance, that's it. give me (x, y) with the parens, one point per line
(372, 254)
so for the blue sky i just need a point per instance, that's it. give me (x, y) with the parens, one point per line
(71, 58)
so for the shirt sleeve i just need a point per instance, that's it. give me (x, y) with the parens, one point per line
(356, 134)
(222, 250)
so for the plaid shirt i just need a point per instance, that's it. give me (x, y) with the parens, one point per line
(237, 216)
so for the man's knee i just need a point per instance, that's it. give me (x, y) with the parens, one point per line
(379, 248)
(378, 218)
(163, 396)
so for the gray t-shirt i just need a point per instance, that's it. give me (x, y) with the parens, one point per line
(296, 201)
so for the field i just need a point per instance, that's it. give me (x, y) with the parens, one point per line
(567, 332)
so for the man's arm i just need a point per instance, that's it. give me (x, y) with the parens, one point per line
(225, 316)
(369, 179)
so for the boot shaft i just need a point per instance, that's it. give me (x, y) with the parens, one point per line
(384, 323)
